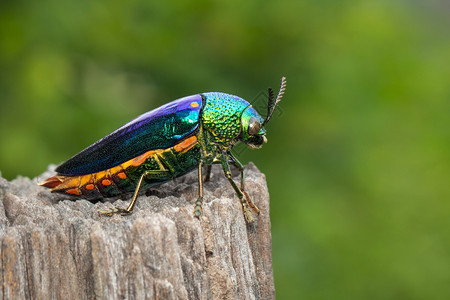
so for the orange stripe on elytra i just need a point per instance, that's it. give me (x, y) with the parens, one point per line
(142, 158)
(84, 179)
(115, 170)
(72, 184)
(186, 144)
(137, 161)
(101, 174)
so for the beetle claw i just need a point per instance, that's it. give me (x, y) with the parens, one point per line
(248, 216)
(198, 207)
(251, 204)
(113, 211)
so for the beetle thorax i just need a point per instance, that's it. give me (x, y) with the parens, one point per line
(221, 116)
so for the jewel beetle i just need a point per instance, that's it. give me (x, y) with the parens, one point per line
(165, 143)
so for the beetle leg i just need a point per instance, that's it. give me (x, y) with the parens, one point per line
(245, 205)
(208, 173)
(129, 209)
(199, 202)
(240, 167)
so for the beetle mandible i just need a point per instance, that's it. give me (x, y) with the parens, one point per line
(165, 143)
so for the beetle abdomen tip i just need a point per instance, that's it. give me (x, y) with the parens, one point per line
(51, 182)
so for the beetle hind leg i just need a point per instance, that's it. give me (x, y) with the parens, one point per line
(129, 209)
(208, 173)
(199, 203)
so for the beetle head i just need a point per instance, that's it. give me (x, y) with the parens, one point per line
(253, 132)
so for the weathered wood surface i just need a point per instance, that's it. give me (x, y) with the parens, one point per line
(53, 248)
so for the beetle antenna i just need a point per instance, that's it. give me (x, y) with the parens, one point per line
(272, 104)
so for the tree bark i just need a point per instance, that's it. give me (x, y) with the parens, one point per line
(55, 248)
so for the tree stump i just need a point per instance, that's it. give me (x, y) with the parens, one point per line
(55, 248)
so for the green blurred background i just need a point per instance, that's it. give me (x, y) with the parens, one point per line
(357, 163)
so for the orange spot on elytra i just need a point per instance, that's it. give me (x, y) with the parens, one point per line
(106, 182)
(122, 175)
(194, 104)
(73, 192)
(90, 186)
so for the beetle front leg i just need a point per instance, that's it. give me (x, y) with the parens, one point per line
(240, 167)
(198, 204)
(245, 205)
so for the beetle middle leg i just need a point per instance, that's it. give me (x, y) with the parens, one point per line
(129, 209)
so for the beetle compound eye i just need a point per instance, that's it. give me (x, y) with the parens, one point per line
(253, 126)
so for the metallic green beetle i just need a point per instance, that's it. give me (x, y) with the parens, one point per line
(165, 143)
